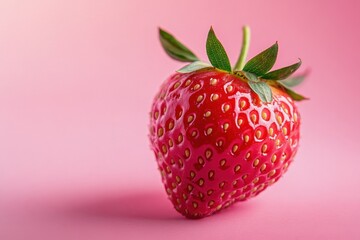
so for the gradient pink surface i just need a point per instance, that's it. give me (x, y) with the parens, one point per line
(76, 83)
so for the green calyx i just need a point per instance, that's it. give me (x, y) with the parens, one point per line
(256, 71)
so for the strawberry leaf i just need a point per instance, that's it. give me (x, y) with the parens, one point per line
(282, 73)
(262, 90)
(294, 95)
(293, 81)
(194, 66)
(251, 77)
(216, 52)
(175, 49)
(263, 62)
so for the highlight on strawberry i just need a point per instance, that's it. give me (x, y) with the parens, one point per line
(223, 134)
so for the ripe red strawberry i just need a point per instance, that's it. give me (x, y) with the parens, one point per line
(222, 135)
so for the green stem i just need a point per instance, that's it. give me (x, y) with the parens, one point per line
(244, 49)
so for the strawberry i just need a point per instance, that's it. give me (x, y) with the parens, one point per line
(222, 134)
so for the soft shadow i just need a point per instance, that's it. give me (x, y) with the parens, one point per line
(138, 206)
(131, 205)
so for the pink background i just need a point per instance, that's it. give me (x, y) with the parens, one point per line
(76, 82)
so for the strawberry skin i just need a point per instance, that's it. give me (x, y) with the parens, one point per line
(216, 142)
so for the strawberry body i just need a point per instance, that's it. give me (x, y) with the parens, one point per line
(216, 142)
